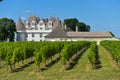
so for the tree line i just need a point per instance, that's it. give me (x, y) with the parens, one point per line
(73, 22)
(7, 29)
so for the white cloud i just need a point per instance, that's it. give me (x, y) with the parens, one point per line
(27, 11)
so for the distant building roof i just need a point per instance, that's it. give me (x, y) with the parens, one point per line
(59, 32)
(89, 34)
(20, 25)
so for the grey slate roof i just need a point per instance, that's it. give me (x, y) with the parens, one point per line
(58, 32)
(56, 24)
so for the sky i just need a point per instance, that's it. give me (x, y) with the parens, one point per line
(101, 15)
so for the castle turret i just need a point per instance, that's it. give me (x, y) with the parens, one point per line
(20, 25)
(20, 28)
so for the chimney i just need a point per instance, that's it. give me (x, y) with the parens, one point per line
(76, 28)
(65, 27)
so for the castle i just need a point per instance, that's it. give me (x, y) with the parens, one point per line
(36, 29)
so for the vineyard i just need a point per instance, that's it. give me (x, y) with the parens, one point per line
(114, 48)
(59, 60)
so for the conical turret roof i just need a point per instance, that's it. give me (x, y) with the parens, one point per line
(20, 25)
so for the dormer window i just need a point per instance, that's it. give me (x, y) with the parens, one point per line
(50, 24)
(33, 23)
(41, 23)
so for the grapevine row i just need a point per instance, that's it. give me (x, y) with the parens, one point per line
(46, 52)
(93, 54)
(13, 53)
(114, 48)
(70, 49)
(16, 52)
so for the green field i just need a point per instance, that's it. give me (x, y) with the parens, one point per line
(81, 71)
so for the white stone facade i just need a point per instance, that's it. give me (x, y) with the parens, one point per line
(36, 35)
(35, 29)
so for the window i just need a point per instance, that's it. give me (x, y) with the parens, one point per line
(50, 24)
(40, 35)
(26, 24)
(41, 28)
(41, 23)
(26, 35)
(50, 28)
(33, 23)
(33, 35)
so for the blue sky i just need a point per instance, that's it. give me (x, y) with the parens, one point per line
(101, 15)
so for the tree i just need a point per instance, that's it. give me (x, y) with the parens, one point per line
(111, 33)
(1, 0)
(7, 29)
(73, 22)
(83, 27)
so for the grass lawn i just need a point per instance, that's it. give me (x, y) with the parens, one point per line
(81, 71)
